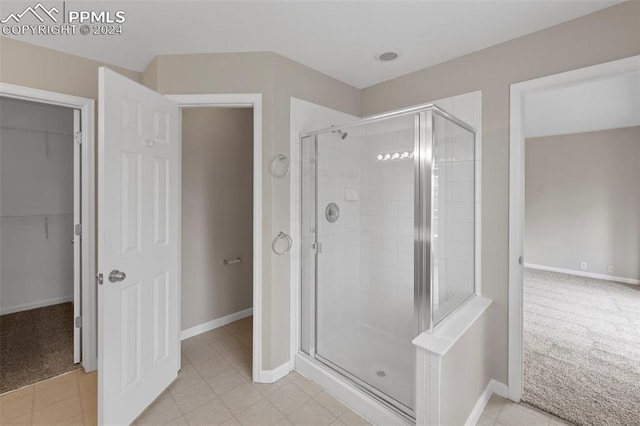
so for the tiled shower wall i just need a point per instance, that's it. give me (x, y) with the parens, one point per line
(337, 261)
(387, 234)
(458, 237)
(339, 177)
(452, 216)
(366, 267)
(387, 211)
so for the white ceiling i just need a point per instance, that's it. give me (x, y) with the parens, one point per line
(609, 103)
(338, 38)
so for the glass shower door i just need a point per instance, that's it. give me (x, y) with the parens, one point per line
(387, 243)
(364, 294)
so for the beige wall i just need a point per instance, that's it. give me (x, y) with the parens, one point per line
(582, 201)
(33, 66)
(217, 215)
(150, 75)
(607, 35)
(277, 78)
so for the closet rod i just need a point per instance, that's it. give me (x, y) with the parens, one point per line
(22, 129)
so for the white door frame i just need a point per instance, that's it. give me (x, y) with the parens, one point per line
(245, 100)
(516, 193)
(86, 106)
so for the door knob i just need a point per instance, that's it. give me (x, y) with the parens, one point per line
(115, 276)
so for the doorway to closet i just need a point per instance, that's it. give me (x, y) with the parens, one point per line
(40, 241)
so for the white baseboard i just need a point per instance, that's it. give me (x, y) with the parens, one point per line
(583, 274)
(493, 387)
(35, 305)
(213, 324)
(499, 388)
(271, 376)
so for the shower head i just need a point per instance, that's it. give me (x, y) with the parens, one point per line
(343, 135)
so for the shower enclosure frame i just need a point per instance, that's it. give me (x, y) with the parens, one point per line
(423, 224)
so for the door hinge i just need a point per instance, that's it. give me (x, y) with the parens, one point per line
(100, 278)
(317, 247)
(77, 137)
(78, 229)
(520, 260)
(78, 322)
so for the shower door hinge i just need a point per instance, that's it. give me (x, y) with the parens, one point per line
(99, 278)
(77, 137)
(78, 322)
(78, 229)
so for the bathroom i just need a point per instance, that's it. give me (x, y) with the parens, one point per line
(359, 286)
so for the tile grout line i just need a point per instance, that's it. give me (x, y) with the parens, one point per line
(80, 397)
(33, 403)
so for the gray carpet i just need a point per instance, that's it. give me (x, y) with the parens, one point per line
(35, 345)
(582, 348)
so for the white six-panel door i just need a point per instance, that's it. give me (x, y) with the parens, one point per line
(139, 178)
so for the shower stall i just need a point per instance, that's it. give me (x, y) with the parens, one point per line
(387, 244)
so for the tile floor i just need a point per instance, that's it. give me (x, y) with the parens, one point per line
(214, 388)
(69, 399)
(502, 412)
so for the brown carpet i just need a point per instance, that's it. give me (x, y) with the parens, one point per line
(582, 348)
(35, 345)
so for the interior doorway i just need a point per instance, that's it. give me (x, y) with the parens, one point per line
(574, 249)
(140, 165)
(217, 235)
(252, 103)
(40, 244)
(49, 141)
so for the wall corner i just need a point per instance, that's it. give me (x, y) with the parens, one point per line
(150, 74)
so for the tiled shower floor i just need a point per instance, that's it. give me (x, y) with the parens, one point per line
(379, 359)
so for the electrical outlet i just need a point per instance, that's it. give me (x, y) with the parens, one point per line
(610, 269)
(583, 266)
